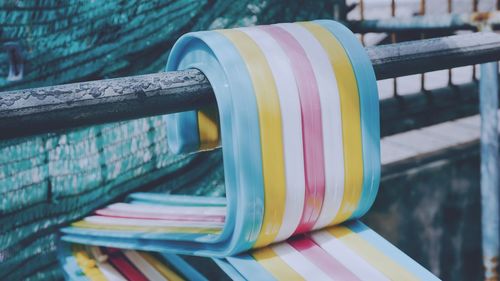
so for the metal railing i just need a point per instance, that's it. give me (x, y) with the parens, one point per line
(33, 111)
(424, 25)
(39, 110)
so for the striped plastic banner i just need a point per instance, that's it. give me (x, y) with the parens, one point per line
(350, 251)
(297, 119)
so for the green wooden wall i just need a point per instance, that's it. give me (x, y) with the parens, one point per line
(50, 180)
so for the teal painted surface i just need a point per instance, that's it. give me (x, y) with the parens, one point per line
(50, 180)
(81, 40)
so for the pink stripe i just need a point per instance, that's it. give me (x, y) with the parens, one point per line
(123, 265)
(159, 216)
(319, 257)
(312, 134)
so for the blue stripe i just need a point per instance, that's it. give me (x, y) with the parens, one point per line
(182, 132)
(177, 200)
(250, 268)
(229, 269)
(390, 250)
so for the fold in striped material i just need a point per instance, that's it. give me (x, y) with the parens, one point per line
(297, 120)
(290, 117)
(345, 252)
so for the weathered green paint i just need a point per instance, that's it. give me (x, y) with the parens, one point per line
(91, 39)
(49, 180)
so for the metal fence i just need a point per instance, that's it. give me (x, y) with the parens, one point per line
(425, 25)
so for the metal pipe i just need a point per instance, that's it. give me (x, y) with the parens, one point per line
(427, 55)
(490, 167)
(422, 36)
(450, 72)
(443, 22)
(482, 19)
(362, 18)
(39, 110)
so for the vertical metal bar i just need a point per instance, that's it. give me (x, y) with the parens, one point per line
(422, 7)
(393, 40)
(339, 10)
(393, 14)
(488, 95)
(450, 73)
(422, 36)
(362, 17)
(474, 9)
(475, 4)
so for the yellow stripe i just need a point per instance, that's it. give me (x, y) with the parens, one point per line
(162, 269)
(84, 224)
(208, 127)
(270, 134)
(86, 264)
(351, 123)
(268, 259)
(371, 254)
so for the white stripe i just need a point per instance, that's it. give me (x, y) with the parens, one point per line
(292, 128)
(147, 269)
(347, 257)
(176, 210)
(299, 263)
(331, 121)
(150, 223)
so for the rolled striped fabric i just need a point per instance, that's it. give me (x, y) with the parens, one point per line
(298, 122)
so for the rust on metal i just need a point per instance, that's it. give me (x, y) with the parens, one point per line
(422, 7)
(475, 4)
(480, 17)
(491, 271)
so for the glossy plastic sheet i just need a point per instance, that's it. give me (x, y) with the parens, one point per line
(346, 252)
(298, 121)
